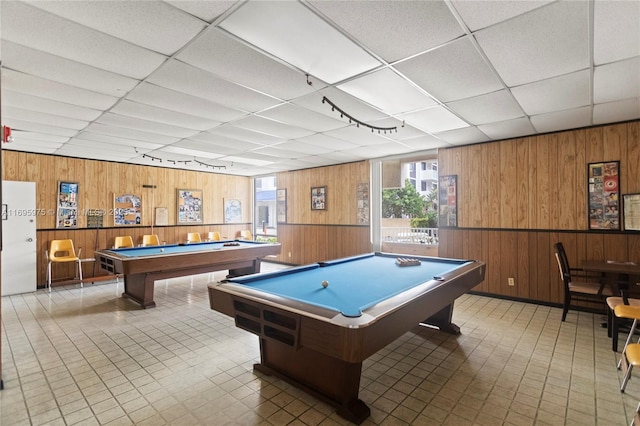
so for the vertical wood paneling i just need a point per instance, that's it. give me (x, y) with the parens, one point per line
(508, 185)
(493, 196)
(566, 188)
(633, 158)
(522, 183)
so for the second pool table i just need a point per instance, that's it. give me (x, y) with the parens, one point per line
(317, 336)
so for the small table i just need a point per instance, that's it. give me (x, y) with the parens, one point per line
(616, 273)
(317, 323)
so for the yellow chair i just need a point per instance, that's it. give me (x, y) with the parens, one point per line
(150, 240)
(246, 235)
(193, 237)
(213, 236)
(123, 242)
(62, 251)
(630, 356)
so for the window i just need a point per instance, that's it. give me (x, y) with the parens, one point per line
(265, 220)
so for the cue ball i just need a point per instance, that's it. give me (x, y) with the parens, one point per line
(325, 284)
(161, 250)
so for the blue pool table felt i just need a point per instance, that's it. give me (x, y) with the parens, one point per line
(354, 284)
(177, 248)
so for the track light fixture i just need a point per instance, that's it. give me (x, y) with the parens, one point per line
(352, 119)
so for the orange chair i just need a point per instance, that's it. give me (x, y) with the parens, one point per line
(123, 242)
(62, 251)
(150, 240)
(246, 235)
(213, 236)
(193, 237)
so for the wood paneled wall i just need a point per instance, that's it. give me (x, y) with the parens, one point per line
(100, 180)
(518, 197)
(315, 235)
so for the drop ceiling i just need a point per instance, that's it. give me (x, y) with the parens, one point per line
(237, 87)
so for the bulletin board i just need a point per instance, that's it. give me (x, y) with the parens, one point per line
(448, 200)
(604, 195)
(127, 210)
(67, 213)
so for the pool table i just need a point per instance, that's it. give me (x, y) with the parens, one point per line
(142, 266)
(316, 335)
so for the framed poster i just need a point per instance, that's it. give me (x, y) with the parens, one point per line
(281, 205)
(189, 205)
(604, 191)
(232, 211)
(319, 198)
(162, 216)
(67, 214)
(448, 200)
(127, 210)
(362, 200)
(631, 206)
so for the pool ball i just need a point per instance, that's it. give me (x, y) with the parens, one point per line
(325, 284)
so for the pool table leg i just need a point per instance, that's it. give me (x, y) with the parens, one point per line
(329, 379)
(139, 287)
(238, 272)
(442, 320)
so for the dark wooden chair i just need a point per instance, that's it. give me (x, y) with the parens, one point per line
(577, 283)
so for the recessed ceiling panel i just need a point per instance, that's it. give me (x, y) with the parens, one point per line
(465, 136)
(436, 119)
(394, 29)
(290, 31)
(161, 115)
(358, 135)
(156, 26)
(233, 60)
(423, 143)
(613, 112)
(132, 134)
(617, 81)
(247, 135)
(555, 94)
(9, 112)
(303, 148)
(451, 72)
(172, 100)
(489, 108)
(616, 33)
(508, 129)
(181, 77)
(328, 142)
(23, 24)
(134, 145)
(47, 89)
(191, 152)
(388, 91)
(57, 69)
(145, 125)
(272, 127)
(205, 10)
(302, 117)
(562, 120)
(350, 104)
(484, 13)
(30, 126)
(547, 42)
(38, 104)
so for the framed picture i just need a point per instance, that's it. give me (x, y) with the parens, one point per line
(631, 206)
(281, 205)
(448, 200)
(189, 205)
(67, 214)
(362, 200)
(319, 198)
(127, 210)
(232, 211)
(604, 190)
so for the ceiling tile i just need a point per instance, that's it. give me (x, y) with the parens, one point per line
(47, 89)
(234, 132)
(161, 115)
(465, 136)
(155, 25)
(616, 33)
(388, 91)
(489, 108)
(352, 105)
(290, 31)
(303, 148)
(35, 136)
(423, 143)
(508, 129)
(484, 13)
(272, 127)
(208, 11)
(302, 117)
(617, 81)
(37, 147)
(23, 24)
(451, 72)
(328, 142)
(9, 112)
(38, 104)
(145, 125)
(128, 133)
(133, 144)
(358, 135)
(172, 100)
(57, 69)
(181, 77)
(436, 119)
(234, 61)
(547, 42)
(555, 94)
(562, 120)
(375, 24)
(613, 112)
(173, 149)
(220, 144)
(30, 126)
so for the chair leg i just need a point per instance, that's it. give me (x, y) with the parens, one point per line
(615, 326)
(626, 378)
(80, 272)
(49, 276)
(626, 343)
(565, 306)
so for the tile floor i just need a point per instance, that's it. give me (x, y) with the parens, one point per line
(89, 357)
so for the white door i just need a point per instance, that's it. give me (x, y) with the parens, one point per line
(18, 237)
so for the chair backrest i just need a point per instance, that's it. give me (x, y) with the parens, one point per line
(213, 236)
(246, 235)
(62, 251)
(150, 240)
(193, 237)
(563, 262)
(123, 242)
